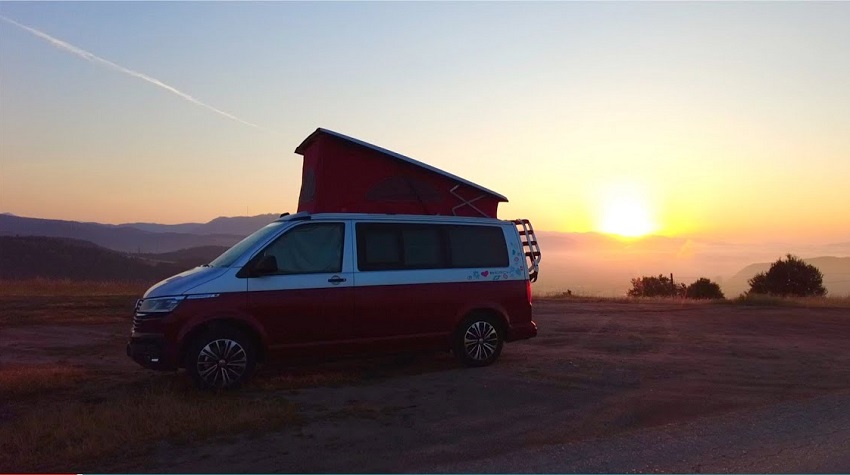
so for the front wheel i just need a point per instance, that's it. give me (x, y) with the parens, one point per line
(221, 359)
(478, 341)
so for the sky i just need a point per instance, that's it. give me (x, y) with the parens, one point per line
(719, 121)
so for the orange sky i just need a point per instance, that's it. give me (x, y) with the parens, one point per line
(724, 121)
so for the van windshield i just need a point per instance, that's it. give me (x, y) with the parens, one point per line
(231, 255)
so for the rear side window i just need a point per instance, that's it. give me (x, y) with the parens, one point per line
(477, 246)
(382, 246)
(423, 247)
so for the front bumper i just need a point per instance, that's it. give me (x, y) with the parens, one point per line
(149, 350)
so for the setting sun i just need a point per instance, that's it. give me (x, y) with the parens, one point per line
(625, 213)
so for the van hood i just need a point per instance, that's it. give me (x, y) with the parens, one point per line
(183, 282)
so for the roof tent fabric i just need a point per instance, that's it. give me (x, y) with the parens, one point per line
(344, 175)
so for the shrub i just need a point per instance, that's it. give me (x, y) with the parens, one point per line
(791, 277)
(660, 286)
(703, 288)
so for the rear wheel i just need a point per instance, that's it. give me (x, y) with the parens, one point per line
(478, 341)
(221, 359)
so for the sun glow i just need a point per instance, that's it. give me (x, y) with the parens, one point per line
(626, 213)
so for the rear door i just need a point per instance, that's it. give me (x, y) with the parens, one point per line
(309, 300)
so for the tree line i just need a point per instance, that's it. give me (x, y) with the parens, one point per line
(790, 277)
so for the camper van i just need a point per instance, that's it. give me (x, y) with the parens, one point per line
(335, 284)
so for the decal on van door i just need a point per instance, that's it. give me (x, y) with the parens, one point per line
(494, 275)
(517, 261)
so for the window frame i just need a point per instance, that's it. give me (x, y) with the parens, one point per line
(446, 260)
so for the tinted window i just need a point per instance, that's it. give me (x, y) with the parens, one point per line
(477, 246)
(309, 249)
(429, 246)
(423, 247)
(399, 246)
(380, 248)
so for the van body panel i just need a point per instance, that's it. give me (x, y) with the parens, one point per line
(386, 311)
(226, 307)
(304, 316)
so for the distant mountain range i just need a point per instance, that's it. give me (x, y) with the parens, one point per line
(139, 237)
(586, 263)
(64, 258)
(237, 225)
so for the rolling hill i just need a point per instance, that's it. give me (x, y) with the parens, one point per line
(236, 225)
(64, 258)
(115, 237)
(188, 258)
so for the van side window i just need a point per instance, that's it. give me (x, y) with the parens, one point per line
(379, 248)
(309, 249)
(477, 246)
(386, 246)
(423, 247)
(382, 246)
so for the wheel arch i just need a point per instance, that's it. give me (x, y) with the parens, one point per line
(248, 327)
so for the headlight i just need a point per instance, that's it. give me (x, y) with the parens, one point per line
(159, 305)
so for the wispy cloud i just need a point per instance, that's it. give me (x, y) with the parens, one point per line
(91, 57)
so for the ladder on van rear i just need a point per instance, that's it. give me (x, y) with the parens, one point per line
(530, 246)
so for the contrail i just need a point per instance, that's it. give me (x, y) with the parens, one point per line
(98, 60)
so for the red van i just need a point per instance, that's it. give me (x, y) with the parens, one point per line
(343, 284)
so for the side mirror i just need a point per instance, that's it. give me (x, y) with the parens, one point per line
(266, 265)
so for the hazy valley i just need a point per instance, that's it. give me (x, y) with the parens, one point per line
(585, 263)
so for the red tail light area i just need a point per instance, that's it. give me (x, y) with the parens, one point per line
(528, 290)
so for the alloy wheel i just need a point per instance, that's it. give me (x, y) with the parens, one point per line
(480, 340)
(222, 363)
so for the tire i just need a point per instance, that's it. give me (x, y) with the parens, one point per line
(222, 358)
(478, 341)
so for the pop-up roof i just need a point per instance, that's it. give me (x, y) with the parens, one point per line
(344, 175)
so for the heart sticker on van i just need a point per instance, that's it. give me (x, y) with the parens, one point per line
(485, 273)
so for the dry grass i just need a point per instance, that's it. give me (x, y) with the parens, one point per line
(61, 418)
(806, 302)
(65, 309)
(292, 380)
(127, 420)
(66, 287)
(20, 381)
(766, 300)
(563, 296)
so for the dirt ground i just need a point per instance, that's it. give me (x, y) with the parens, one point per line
(596, 370)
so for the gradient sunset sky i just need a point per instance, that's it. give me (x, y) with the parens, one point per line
(717, 120)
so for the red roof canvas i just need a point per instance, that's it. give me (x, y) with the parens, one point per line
(344, 175)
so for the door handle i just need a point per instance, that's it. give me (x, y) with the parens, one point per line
(336, 279)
